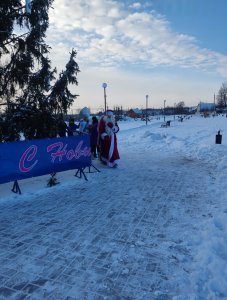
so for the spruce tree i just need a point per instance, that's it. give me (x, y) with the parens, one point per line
(29, 88)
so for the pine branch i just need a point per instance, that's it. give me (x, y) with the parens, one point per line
(26, 81)
(15, 39)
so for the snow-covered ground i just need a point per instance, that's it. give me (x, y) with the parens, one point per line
(154, 228)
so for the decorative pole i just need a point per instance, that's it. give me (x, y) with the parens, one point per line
(104, 85)
(164, 110)
(146, 107)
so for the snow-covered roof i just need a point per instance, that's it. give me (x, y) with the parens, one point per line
(192, 108)
(137, 110)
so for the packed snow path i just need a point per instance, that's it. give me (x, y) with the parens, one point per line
(125, 234)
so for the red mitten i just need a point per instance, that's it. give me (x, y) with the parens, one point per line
(109, 124)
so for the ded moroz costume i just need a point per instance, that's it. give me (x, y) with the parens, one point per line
(107, 130)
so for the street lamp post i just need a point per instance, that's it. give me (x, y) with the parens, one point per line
(164, 110)
(224, 99)
(104, 85)
(146, 107)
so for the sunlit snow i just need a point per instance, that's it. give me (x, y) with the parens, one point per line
(154, 228)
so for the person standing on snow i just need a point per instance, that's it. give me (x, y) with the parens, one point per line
(94, 136)
(72, 128)
(107, 130)
(61, 126)
(84, 124)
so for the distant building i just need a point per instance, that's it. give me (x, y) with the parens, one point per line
(221, 110)
(135, 113)
(192, 110)
(204, 107)
(152, 111)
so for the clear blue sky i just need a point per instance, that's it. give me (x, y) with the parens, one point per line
(204, 19)
(169, 49)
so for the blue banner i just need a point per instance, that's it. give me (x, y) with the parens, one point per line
(24, 159)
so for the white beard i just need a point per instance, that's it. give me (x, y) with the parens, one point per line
(107, 120)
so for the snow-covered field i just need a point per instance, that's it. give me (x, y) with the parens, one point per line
(167, 199)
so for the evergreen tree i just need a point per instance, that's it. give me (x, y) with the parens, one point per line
(28, 86)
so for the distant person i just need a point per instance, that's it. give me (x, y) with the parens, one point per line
(84, 124)
(53, 130)
(72, 128)
(1, 129)
(94, 136)
(62, 127)
(107, 130)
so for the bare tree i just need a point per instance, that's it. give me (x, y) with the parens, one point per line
(221, 97)
(180, 107)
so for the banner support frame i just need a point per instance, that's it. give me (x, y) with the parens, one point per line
(89, 169)
(81, 172)
(16, 188)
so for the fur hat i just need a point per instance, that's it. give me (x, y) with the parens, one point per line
(109, 112)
